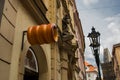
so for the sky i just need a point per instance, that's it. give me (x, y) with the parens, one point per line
(104, 15)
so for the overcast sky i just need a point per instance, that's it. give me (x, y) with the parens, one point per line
(104, 15)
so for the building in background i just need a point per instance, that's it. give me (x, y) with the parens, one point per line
(116, 60)
(20, 60)
(107, 57)
(107, 66)
(91, 71)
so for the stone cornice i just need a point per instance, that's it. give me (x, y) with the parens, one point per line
(38, 10)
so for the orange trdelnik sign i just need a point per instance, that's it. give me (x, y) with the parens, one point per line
(45, 33)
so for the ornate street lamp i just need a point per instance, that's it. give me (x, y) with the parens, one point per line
(95, 47)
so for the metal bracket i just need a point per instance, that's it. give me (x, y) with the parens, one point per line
(23, 35)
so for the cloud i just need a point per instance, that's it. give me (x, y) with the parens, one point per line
(113, 26)
(109, 19)
(89, 2)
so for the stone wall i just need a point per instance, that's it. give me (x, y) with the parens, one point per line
(7, 30)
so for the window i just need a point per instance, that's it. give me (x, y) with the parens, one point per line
(1, 8)
(89, 75)
(31, 61)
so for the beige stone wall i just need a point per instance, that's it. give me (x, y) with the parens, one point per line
(54, 16)
(116, 57)
(52, 10)
(117, 53)
(7, 29)
(116, 61)
(23, 21)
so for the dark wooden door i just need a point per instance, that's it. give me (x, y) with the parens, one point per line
(30, 75)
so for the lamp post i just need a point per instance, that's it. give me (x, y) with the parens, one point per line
(94, 38)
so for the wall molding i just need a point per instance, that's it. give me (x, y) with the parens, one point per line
(37, 9)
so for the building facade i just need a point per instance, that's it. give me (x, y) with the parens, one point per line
(81, 44)
(116, 60)
(91, 71)
(107, 66)
(20, 60)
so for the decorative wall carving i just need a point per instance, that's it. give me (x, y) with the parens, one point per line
(65, 41)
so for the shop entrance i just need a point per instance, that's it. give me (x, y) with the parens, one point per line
(31, 66)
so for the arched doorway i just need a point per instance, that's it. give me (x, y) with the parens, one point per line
(40, 71)
(31, 66)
